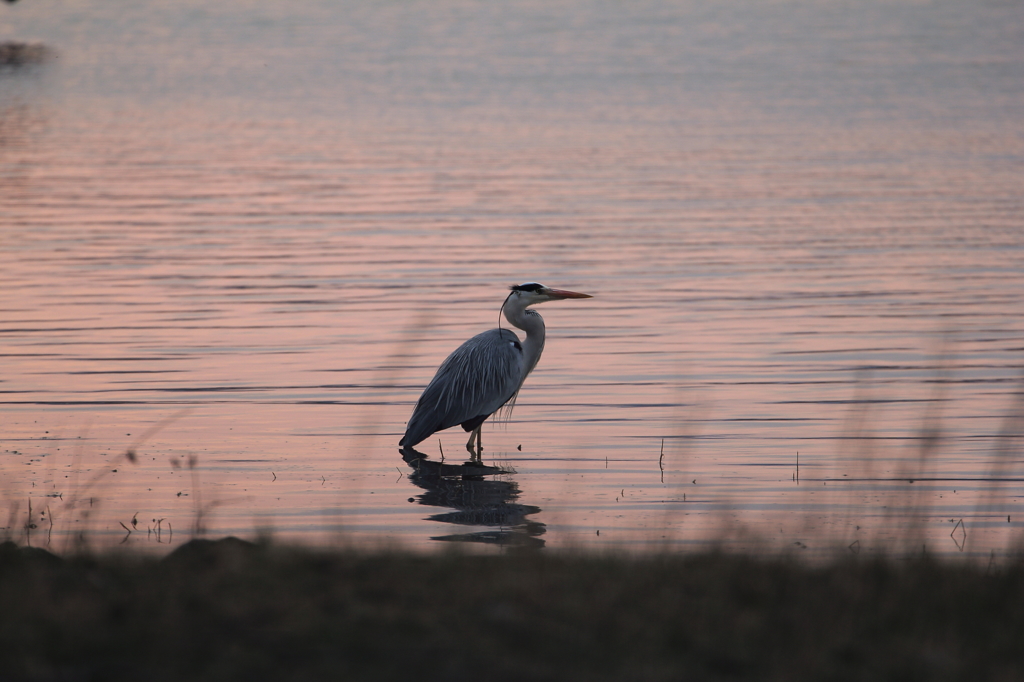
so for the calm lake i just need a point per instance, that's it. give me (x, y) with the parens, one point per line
(237, 239)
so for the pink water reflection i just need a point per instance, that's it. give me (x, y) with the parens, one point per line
(817, 273)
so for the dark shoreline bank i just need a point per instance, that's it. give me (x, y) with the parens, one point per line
(233, 610)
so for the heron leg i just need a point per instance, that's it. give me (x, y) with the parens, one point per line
(475, 452)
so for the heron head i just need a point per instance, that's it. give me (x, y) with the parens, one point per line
(530, 293)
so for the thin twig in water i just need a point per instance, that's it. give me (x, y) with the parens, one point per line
(661, 461)
(197, 496)
(29, 526)
(963, 530)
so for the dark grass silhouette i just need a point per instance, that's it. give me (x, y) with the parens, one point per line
(229, 609)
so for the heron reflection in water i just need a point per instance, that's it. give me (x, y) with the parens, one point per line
(474, 501)
(485, 373)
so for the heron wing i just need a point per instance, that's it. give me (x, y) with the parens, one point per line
(474, 381)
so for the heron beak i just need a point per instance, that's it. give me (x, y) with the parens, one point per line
(558, 294)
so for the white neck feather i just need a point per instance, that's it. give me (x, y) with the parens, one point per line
(518, 315)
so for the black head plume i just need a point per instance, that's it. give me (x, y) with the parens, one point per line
(528, 286)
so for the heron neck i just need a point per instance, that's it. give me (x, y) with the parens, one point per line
(532, 323)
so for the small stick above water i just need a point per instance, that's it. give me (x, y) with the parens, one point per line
(661, 461)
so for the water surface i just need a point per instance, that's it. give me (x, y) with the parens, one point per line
(238, 239)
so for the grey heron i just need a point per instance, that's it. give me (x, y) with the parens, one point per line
(486, 372)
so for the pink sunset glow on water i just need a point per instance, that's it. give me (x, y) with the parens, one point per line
(247, 274)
